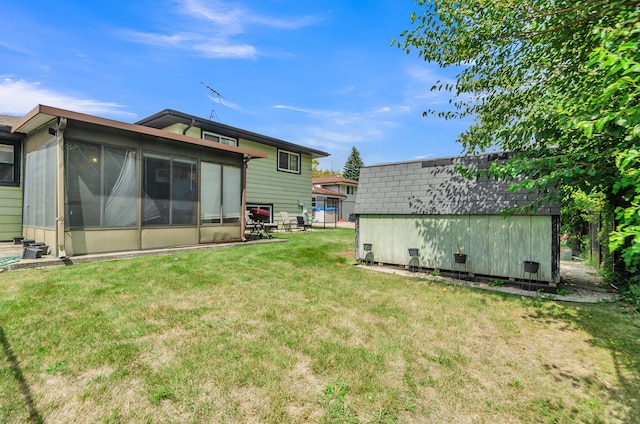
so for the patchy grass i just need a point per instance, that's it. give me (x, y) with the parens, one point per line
(293, 332)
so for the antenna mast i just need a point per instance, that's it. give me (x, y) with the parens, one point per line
(213, 113)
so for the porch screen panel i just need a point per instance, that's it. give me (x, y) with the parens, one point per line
(50, 185)
(83, 184)
(120, 188)
(39, 194)
(184, 192)
(28, 211)
(156, 190)
(231, 194)
(210, 193)
(101, 186)
(39, 187)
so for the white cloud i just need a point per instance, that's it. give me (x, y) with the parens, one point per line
(17, 97)
(211, 26)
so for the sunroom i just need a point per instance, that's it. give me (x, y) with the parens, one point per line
(94, 185)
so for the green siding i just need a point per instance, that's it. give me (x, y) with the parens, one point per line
(265, 184)
(495, 246)
(10, 212)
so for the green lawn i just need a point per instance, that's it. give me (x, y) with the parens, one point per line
(294, 332)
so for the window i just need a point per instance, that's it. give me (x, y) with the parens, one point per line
(9, 164)
(288, 161)
(351, 190)
(219, 138)
(261, 206)
(101, 184)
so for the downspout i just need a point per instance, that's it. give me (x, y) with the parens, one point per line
(62, 124)
(188, 127)
(243, 197)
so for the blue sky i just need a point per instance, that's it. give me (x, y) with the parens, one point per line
(317, 73)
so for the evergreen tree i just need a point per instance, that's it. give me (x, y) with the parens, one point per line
(353, 165)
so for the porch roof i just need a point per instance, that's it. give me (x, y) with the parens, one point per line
(42, 114)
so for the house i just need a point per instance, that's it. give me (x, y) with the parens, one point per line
(278, 183)
(428, 206)
(93, 185)
(10, 179)
(346, 187)
(326, 205)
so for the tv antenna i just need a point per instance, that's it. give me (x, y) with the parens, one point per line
(213, 114)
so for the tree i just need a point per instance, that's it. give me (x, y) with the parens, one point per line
(316, 172)
(352, 166)
(554, 81)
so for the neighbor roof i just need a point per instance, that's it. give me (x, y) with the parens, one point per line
(320, 191)
(42, 114)
(169, 117)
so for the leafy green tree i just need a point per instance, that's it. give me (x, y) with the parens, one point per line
(316, 172)
(554, 81)
(352, 165)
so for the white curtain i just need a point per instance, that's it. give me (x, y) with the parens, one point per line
(121, 206)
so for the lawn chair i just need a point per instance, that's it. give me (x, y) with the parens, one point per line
(286, 221)
(301, 223)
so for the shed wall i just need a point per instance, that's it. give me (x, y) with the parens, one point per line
(495, 246)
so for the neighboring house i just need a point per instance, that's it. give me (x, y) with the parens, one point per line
(343, 186)
(97, 185)
(426, 205)
(326, 205)
(10, 179)
(279, 183)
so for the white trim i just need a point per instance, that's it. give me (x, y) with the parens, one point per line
(297, 171)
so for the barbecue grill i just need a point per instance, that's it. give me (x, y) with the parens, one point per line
(258, 220)
(257, 214)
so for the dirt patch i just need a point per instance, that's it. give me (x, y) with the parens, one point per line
(349, 254)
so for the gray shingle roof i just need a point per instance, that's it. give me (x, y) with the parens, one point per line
(433, 187)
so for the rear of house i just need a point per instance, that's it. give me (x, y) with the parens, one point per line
(428, 206)
(281, 182)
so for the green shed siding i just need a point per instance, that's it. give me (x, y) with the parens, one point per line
(495, 246)
(267, 185)
(10, 212)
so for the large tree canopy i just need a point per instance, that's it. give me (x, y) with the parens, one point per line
(555, 81)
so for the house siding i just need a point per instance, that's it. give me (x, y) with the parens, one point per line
(267, 185)
(10, 212)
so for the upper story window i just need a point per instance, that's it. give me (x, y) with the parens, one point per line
(288, 161)
(351, 190)
(9, 161)
(219, 138)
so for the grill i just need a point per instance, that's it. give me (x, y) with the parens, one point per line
(260, 215)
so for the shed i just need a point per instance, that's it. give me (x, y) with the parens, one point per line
(427, 205)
